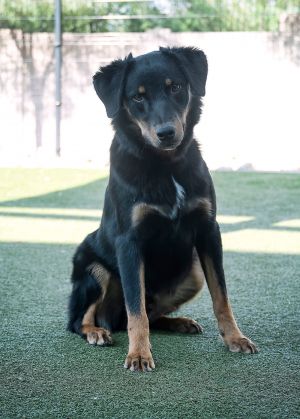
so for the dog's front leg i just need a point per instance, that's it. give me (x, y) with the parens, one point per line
(209, 247)
(132, 272)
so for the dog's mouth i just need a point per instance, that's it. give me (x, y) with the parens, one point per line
(168, 145)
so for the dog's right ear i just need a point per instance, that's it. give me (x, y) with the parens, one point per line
(193, 63)
(109, 83)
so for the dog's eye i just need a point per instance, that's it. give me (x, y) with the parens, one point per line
(175, 88)
(138, 98)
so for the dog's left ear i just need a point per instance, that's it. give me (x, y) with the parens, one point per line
(109, 83)
(193, 63)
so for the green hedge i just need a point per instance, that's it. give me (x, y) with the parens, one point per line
(179, 16)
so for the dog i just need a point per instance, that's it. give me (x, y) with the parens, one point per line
(158, 240)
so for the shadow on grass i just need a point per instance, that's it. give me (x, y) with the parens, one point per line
(87, 196)
(265, 197)
(50, 216)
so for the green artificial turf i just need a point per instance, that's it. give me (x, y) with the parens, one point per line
(47, 372)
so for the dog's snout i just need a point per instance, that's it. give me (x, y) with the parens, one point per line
(166, 132)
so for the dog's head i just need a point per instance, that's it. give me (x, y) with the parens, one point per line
(155, 90)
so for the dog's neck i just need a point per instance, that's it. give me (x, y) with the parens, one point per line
(140, 168)
(128, 152)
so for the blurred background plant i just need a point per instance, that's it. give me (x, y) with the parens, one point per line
(140, 15)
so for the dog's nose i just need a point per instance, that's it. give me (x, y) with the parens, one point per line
(166, 132)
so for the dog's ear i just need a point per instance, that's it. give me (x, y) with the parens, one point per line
(193, 63)
(109, 83)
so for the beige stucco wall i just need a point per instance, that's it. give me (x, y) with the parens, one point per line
(251, 116)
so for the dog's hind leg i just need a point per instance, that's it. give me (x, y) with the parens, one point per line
(167, 303)
(96, 335)
(90, 281)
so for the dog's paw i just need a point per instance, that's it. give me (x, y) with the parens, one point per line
(186, 325)
(139, 361)
(99, 336)
(177, 324)
(241, 344)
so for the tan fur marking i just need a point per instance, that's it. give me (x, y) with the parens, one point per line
(128, 110)
(142, 210)
(187, 108)
(138, 326)
(229, 330)
(88, 328)
(197, 274)
(113, 300)
(168, 82)
(147, 132)
(89, 317)
(139, 355)
(192, 284)
(222, 308)
(202, 204)
(178, 126)
(141, 89)
(102, 276)
(97, 335)
(138, 332)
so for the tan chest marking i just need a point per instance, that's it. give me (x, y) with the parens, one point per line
(202, 204)
(142, 210)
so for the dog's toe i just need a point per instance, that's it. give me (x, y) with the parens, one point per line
(139, 362)
(242, 344)
(99, 336)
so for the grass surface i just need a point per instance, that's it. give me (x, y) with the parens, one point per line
(47, 372)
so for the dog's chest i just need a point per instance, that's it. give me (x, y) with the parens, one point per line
(180, 205)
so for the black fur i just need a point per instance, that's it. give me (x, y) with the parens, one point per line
(144, 169)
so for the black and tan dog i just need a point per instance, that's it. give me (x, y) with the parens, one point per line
(158, 237)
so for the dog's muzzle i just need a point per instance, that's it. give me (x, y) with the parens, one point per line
(167, 138)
